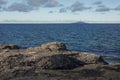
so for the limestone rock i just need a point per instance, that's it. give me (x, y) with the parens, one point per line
(54, 46)
(88, 58)
(10, 61)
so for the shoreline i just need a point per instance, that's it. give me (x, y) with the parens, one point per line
(110, 60)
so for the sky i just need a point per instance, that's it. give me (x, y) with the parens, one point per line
(56, 11)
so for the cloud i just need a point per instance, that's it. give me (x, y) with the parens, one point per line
(52, 3)
(29, 5)
(102, 8)
(19, 7)
(36, 3)
(2, 2)
(50, 12)
(117, 8)
(97, 3)
(43, 3)
(62, 10)
(77, 6)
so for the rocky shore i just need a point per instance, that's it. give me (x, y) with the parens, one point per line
(53, 61)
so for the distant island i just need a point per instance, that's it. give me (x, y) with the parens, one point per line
(80, 22)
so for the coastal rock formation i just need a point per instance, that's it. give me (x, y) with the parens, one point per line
(53, 61)
(60, 48)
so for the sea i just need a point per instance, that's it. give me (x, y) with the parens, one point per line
(101, 39)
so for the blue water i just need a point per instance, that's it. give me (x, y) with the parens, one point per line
(103, 39)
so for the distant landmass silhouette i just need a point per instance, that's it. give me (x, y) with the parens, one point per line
(80, 22)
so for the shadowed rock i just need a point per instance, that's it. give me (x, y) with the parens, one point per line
(9, 46)
(58, 61)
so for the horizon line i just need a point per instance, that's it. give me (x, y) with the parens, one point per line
(66, 21)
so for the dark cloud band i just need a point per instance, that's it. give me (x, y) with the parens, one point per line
(77, 6)
(30, 5)
(19, 7)
(97, 3)
(117, 8)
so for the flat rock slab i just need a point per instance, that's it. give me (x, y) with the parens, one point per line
(88, 72)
